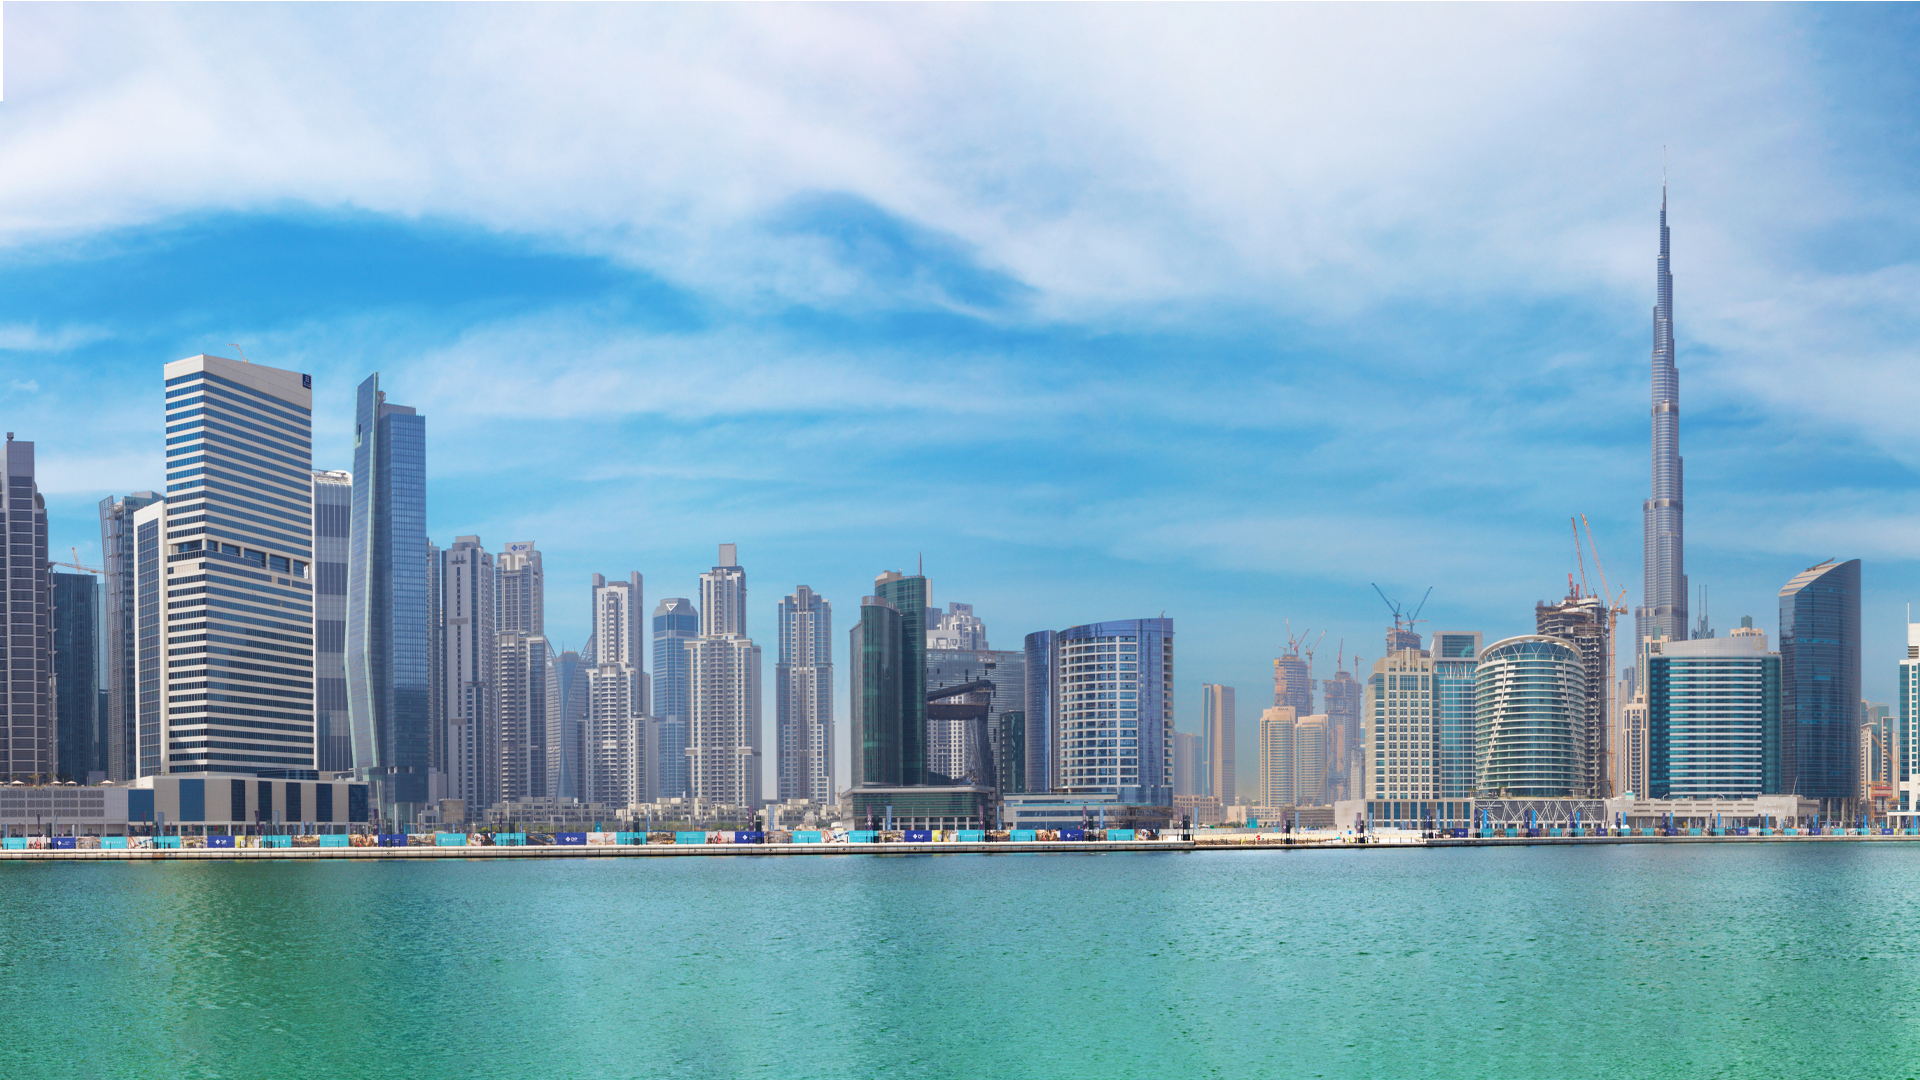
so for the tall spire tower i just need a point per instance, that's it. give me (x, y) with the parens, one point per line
(1665, 609)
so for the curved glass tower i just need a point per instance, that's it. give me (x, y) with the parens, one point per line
(1664, 613)
(1530, 696)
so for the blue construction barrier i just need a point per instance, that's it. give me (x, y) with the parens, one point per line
(864, 836)
(449, 839)
(806, 836)
(750, 837)
(393, 839)
(220, 841)
(570, 839)
(65, 843)
(1073, 834)
(918, 836)
(1024, 835)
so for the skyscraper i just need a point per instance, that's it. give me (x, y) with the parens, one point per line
(1189, 772)
(803, 696)
(389, 633)
(614, 767)
(1455, 656)
(79, 732)
(1039, 647)
(222, 580)
(27, 740)
(1343, 697)
(520, 671)
(957, 628)
(723, 681)
(1665, 607)
(888, 679)
(1293, 683)
(1278, 728)
(1820, 683)
(1906, 771)
(116, 558)
(675, 622)
(1530, 703)
(569, 690)
(469, 698)
(332, 511)
(1582, 621)
(1404, 760)
(1216, 739)
(1112, 710)
(1713, 717)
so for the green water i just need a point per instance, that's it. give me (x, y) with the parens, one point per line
(1629, 961)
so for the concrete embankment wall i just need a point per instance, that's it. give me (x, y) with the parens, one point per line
(599, 851)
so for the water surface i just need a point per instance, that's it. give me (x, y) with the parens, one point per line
(1631, 961)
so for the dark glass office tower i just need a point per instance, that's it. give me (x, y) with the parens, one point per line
(79, 730)
(1820, 684)
(388, 610)
(332, 505)
(675, 622)
(26, 741)
(889, 684)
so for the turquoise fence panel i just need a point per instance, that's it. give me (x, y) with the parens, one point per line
(114, 843)
(510, 839)
(972, 836)
(337, 840)
(630, 838)
(864, 836)
(1119, 834)
(1024, 835)
(15, 843)
(265, 841)
(806, 836)
(445, 839)
(690, 838)
(166, 842)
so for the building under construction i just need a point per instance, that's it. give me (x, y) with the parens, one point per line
(1343, 696)
(1581, 619)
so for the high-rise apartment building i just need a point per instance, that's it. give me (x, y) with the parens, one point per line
(803, 698)
(436, 674)
(615, 767)
(1278, 726)
(222, 579)
(389, 615)
(1664, 612)
(1820, 684)
(1217, 722)
(1111, 706)
(1530, 698)
(521, 670)
(1713, 717)
(1293, 683)
(80, 732)
(1907, 767)
(1581, 620)
(116, 558)
(1039, 649)
(723, 683)
(332, 533)
(27, 740)
(1455, 655)
(1189, 772)
(568, 692)
(1404, 762)
(675, 623)
(469, 696)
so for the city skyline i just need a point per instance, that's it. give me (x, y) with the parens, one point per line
(1272, 406)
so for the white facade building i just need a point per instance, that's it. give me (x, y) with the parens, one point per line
(1403, 759)
(723, 691)
(803, 699)
(615, 767)
(468, 696)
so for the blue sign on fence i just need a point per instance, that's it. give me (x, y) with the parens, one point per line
(749, 837)
(570, 839)
(919, 836)
(1073, 834)
(219, 841)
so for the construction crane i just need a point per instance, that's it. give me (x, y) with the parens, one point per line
(1401, 619)
(76, 563)
(1582, 561)
(1309, 651)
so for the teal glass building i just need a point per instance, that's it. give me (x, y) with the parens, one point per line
(1455, 659)
(79, 728)
(1820, 683)
(1713, 718)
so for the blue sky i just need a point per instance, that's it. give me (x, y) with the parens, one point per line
(1226, 312)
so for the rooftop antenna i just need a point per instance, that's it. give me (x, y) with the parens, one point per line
(241, 351)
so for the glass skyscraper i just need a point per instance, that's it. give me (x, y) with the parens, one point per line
(332, 510)
(888, 676)
(1530, 698)
(1820, 683)
(79, 729)
(675, 622)
(27, 740)
(1113, 710)
(389, 615)
(223, 591)
(1713, 717)
(803, 695)
(1455, 657)
(1664, 612)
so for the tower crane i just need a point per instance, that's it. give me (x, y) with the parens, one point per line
(76, 563)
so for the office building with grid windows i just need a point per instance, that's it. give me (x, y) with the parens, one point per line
(1713, 717)
(223, 586)
(1111, 704)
